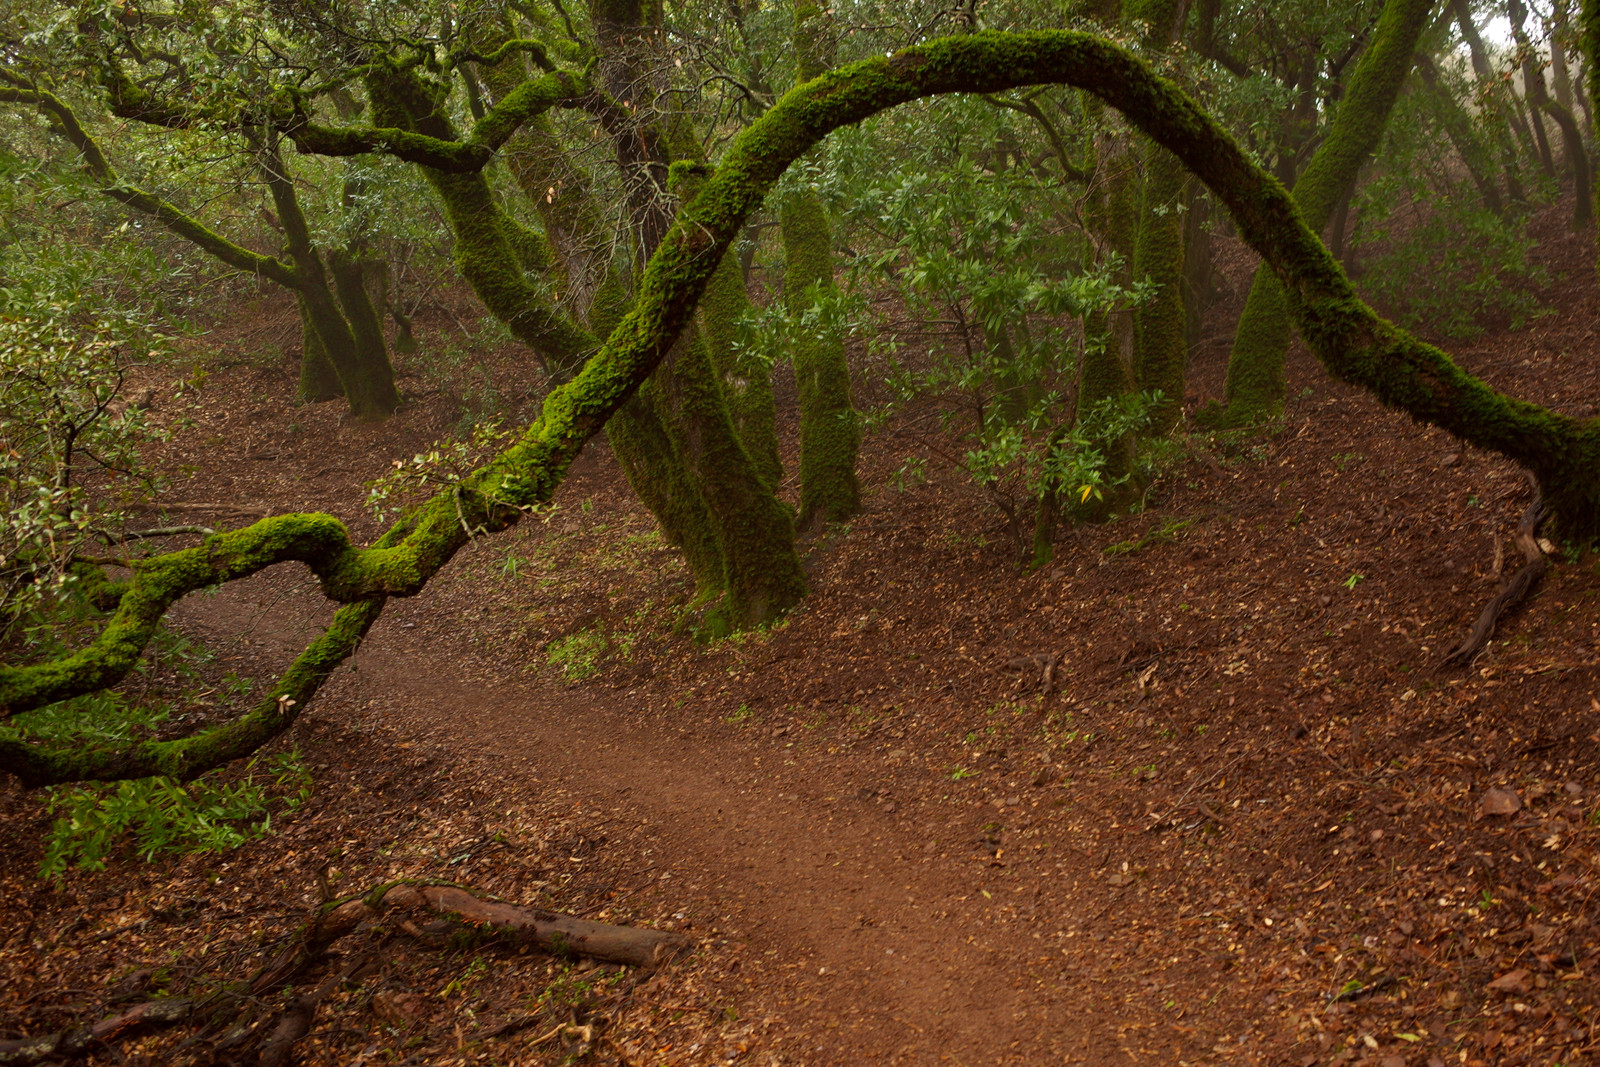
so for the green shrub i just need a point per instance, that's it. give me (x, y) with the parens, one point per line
(162, 816)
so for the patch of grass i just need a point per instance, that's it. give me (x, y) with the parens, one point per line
(578, 655)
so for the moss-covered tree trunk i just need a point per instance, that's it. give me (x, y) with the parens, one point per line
(1106, 373)
(1255, 383)
(591, 278)
(746, 379)
(753, 530)
(668, 488)
(762, 573)
(350, 280)
(830, 434)
(1160, 352)
(366, 379)
(318, 380)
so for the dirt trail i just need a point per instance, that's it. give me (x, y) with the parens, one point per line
(860, 934)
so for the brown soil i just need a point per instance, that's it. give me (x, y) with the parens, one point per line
(1249, 825)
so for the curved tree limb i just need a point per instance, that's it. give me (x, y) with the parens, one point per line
(1353, 342)
(530, 99)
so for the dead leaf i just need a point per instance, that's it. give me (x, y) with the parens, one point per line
(399, 1009)
(1500, 802)
(1511, 982)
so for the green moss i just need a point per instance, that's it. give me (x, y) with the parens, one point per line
(754, 532)
(371, 356)
(1159, 341)
(746, 380)
(830, 434)
(1107, 371)
(318, 380)
(663, 483)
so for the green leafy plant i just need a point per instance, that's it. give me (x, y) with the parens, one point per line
(160, 816)
(444, 464)
(578, 655)
(71, 460)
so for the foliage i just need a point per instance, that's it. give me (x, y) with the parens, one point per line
(989, 262)
(443, 465)
(1014, 464)
(162, 816)
(1427, 245)
(69, 445)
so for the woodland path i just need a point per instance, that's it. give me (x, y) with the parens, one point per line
(860, 936)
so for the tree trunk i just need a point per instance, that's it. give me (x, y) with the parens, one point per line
(1161, 354)
(746, 379)
(754, 533)
(1199, 283)
(597, 288)
(366, 328)
(1533, 89)
(668, 489)
(368, 386)
(1463, 138)
(1160, 348)
(753, 530)
(1539, 102)
(1106, 372)
(1255, 385)
(1492, 91)
(1589, 36)
(830, 436)
(318, 380)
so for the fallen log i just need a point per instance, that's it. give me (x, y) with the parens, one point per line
(81, 1040)
(562, 935)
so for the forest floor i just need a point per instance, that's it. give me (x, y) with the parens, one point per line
(1246, 818)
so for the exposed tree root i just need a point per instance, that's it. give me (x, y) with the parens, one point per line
(229, 1012)
(81, 1040)
(1512, 591)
